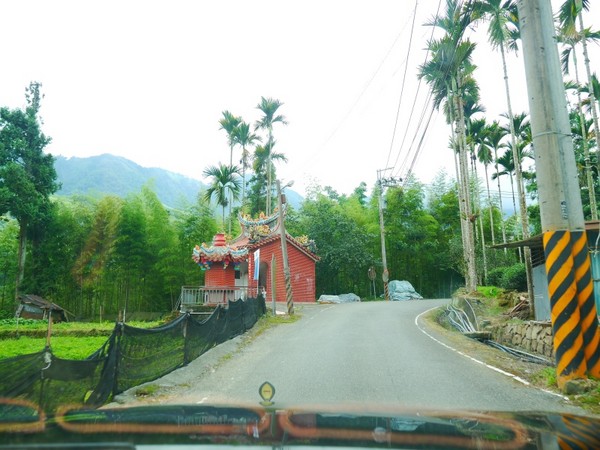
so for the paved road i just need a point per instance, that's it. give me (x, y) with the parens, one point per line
(367, 353)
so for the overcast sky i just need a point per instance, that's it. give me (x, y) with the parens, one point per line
(148, 80)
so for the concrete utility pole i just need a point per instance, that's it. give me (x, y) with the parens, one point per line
(573, 311)
(284, 254)
(385, 276)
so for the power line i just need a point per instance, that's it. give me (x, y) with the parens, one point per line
(359, 97)
(412, 30)
(414, 104)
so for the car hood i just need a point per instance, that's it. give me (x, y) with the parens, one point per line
(25, 425)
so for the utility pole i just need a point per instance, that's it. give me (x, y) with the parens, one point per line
(384, 182)
(573, 310)
(284, 254)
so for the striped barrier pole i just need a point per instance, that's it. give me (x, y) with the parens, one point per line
(587, 304)
(575, 432)
(568, 341)
(288, 293)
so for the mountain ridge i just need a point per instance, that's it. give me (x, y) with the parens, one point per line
(109, 174)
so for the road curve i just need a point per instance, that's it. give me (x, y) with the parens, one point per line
(370, 353)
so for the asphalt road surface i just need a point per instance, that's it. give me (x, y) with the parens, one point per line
(370, 353)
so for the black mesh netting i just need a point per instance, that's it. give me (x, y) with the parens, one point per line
(131, 356)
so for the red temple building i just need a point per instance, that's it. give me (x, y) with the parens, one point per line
(243, 267)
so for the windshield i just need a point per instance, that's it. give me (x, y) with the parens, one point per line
(344, 222)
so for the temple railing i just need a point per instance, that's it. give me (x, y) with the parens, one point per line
(194, 296)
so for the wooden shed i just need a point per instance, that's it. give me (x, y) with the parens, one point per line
(35, 307)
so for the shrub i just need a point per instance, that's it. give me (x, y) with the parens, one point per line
(494, 276)
(515, 278)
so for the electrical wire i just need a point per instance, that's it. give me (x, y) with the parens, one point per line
(412, 31)
(359, 97)
(424, 131)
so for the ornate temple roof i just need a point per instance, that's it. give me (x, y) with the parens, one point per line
(255, 233)
(219, 251)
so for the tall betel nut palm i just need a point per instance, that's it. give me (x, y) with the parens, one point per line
(245, 138)
(569, 15)
(230, 124)
(446, 73)
(27, 174)
(269, 107)
(503, 32)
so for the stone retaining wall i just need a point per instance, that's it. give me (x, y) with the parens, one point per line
(534, 337)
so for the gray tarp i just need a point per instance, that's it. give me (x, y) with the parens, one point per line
(342, 298)
(402, 290)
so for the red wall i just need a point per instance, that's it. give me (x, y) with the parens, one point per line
(302, 270)
(217, 276)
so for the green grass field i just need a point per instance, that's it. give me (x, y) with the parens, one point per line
(65, 347)
(70, 340)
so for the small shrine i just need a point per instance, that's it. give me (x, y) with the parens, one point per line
(252, 262)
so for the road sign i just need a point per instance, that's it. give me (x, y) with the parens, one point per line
(372, 273)
(385, 276)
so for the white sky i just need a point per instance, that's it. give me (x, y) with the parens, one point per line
(148, 80)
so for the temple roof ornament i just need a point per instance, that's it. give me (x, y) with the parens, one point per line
(219, 251)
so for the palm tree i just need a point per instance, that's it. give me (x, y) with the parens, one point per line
(595, 90)
(229, 123)
(269, 107)
(507, 162)
(494, 136)
(571, 11)
(502, 17)
(568, 55)
(485, 157)
(261, 165)
(224, 185)
(245, 138)
(476, 129)
(581, 130)
(446, 72)
(520, 129)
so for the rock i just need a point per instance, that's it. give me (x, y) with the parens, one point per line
(402, 290)
(577, 386)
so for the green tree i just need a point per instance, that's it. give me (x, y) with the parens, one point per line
(262, 166)
(229, 123)
(571, 12)
(27, 175)
(9, 240)
(131, 257)
(446, 72)
(161, 281)
(568, 55)
(58, 245)
(245, 138)
(194, 225)
(224, 184)
(269, 107)
(494, 135)
(94, 266)
(343, 246)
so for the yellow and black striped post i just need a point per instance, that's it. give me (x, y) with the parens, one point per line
(289, 297)
(585, 300)
(575, 432)
(568, 341)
